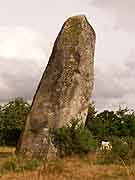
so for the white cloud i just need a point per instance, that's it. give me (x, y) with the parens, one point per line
(123, 12)
(28, 27)
(19, 78)
(22, 42)
(114, 85)
(114, 46)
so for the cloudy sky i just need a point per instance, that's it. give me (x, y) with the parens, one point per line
(28, 29)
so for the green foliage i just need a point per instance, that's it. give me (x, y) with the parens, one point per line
(14, 114)
(110, 123)
(12, 119)
(74, 139)
(31, 164)
(19, 164)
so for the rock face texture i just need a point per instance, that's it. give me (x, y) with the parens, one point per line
(66, 85)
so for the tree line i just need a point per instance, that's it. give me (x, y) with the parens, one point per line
(102, 125)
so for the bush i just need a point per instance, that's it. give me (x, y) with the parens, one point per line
(31, 164)
(74, 139)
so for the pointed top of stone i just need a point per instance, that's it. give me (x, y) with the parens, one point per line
(78, 21)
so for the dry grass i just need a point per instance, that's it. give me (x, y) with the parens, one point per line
(6, 152)
(75, 168)
(7, 149)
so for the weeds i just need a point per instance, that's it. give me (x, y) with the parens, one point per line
(18, 164)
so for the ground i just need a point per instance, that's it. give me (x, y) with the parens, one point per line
(71, 168)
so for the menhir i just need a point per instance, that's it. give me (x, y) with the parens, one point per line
(65, 88)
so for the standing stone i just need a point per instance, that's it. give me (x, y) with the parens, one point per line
(65, 88)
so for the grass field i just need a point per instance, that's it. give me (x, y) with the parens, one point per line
(5, 153)
(71, 168)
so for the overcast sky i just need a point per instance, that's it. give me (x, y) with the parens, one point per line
(28, 29)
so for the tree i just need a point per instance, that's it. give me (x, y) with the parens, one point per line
(12, 120)
(120, 123)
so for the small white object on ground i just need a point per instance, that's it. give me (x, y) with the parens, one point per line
(106, 145)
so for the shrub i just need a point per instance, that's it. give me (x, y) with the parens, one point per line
(32, 164)
(19, 164)
(74, 139)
